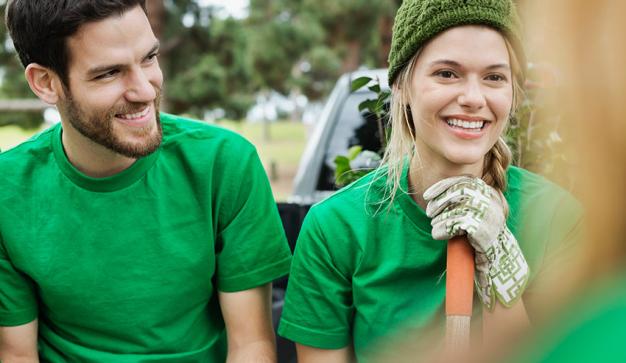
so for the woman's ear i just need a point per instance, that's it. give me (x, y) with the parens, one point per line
(44, 82)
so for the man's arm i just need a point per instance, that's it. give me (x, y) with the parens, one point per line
(308, 354)
(248, 318)
(18, 344)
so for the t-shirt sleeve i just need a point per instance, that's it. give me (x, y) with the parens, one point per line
(251, 247)
(18, 302)
(318, 309)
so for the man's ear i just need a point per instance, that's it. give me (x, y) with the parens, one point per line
(44, 82)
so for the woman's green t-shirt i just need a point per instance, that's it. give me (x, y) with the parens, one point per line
(362, 270)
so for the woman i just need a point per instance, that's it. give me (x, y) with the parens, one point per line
(370, 260)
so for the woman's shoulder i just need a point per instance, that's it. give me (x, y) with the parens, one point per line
(355, 198)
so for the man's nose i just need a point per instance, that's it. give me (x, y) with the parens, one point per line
(140, 87)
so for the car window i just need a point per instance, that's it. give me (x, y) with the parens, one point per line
(352, 127)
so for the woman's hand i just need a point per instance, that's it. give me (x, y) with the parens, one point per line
(467, 205)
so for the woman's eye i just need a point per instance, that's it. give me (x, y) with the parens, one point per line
(496, 78)
(445, 74)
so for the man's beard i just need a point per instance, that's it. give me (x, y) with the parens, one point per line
(99, 127)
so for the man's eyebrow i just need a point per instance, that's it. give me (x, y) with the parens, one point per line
(154, 49)
(457, 64)
(105, 68)
(102, 69)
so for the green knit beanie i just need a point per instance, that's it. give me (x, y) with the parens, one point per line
(418, 21)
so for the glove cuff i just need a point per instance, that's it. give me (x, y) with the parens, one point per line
(501, 272)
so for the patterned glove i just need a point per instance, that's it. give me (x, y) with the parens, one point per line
(467, 205)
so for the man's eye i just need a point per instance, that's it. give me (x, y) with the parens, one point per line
(108, 74)
(153, 56)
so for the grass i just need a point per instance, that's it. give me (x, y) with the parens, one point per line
(11, 136)
(282, 150)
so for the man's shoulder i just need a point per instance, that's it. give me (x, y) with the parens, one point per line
(177, 129)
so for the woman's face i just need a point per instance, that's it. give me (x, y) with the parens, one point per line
(460, 97)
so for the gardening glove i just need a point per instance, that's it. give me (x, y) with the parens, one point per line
(466, 205)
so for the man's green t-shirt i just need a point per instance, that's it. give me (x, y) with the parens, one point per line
(363, 269)
(127, 268)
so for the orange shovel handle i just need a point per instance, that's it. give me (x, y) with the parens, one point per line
(459, 277)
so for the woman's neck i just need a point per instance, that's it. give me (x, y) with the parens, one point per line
(424, 173)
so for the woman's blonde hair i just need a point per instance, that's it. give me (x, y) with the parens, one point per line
(401, 142)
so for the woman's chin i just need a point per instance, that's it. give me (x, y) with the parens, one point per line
(465, 161)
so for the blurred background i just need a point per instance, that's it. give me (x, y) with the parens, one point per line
(260, 67)
(265, 68)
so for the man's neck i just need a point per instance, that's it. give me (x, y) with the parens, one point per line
(90, 158)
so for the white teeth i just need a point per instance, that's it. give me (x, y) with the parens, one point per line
(465, 124)
(130, 116)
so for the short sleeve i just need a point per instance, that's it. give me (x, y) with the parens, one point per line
(319, 308)
(18, 302)
(251, 246)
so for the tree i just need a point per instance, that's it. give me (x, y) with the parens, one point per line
(306, 44)
(13, 84)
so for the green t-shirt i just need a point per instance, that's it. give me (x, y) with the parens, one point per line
(126, 268)
(362, 270)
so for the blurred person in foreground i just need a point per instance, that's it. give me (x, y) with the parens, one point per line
(584, 311)
(126, 234)
(586, 41)
(370, 260)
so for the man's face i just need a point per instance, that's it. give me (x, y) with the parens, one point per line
(115, 84)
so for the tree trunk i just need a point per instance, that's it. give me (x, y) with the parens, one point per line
(156, 16)
(352, 60)
(385, 29)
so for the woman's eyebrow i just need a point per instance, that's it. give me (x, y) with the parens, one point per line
(447, 62)
(452, 63)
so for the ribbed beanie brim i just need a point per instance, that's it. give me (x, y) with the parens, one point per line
(418, 21)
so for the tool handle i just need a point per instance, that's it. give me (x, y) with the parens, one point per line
(459, 277)
(459, 296)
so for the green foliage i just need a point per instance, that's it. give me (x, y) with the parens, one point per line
(13, 84)
(215, 71)
(344, 174)
(291, 46)
(535, 142)
(345, 171)
(305, 45)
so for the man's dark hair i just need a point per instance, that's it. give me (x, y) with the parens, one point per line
(40, 28)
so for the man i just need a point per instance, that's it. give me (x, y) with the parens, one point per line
(127, 235)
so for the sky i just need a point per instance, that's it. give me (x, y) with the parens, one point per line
(235, 8)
